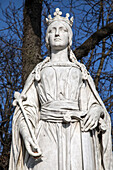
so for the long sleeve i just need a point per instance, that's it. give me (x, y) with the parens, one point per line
(89, 97)
(32, 111)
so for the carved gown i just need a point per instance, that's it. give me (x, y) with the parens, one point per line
(57, 102)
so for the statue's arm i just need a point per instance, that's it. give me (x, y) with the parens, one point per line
(31, 105)
(26, 129)
(94, 108)
(30, 144)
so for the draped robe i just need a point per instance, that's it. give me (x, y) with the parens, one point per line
(58, 98)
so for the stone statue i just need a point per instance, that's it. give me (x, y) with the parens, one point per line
(60, 122)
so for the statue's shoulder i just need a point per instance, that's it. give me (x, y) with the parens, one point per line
(82, 68)
(38, 68)
(34, 75)
(86, 75)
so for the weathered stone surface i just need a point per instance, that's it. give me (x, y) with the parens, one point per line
(60, 122)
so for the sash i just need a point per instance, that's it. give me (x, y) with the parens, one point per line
(61, 111)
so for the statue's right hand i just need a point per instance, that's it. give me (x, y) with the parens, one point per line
(30, 144)
(31, 147)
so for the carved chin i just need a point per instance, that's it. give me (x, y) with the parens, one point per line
(58, 47)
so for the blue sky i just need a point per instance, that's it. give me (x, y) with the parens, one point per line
(4, 4)
(18, 4)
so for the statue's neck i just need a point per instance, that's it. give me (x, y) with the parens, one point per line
(59, 55)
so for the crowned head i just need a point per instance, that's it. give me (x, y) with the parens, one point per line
(58, 17)
(56, 20)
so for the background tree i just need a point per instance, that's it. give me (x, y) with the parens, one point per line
(97, 27)
(10, 76)
(22, 46)
(31, 51)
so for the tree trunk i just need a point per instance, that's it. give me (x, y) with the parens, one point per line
(31, 53)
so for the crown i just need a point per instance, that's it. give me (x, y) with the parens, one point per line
(58, 17)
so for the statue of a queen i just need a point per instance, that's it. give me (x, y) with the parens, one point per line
(60, 121)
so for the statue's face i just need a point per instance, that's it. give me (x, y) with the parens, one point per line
(58, 35)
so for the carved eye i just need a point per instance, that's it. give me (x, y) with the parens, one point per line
(52, 30)
(63, 29)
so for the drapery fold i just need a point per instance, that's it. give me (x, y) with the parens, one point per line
(62, 138)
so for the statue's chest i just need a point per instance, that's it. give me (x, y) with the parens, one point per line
(60, 73)
(60, 81)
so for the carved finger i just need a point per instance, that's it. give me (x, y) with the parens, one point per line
(35, 147)
(90, 125)
(86, 118)
(34, 154)
(33, 144)
(94, 126)
(87, 124)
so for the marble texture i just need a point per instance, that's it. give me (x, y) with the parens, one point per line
(60, 122)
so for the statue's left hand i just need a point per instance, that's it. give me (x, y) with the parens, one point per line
(92, 118)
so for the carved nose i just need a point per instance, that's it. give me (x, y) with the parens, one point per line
(57, 32)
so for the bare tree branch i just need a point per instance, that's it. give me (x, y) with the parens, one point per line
(93, 40)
